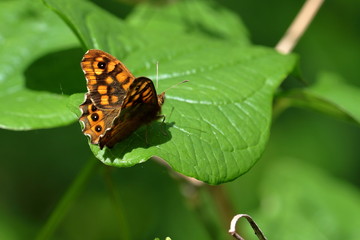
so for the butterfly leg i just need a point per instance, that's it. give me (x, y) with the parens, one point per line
(163, 121)
(146, 134)
(163, 128)
(163, 117)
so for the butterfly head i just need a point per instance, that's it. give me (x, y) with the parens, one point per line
(161, 98)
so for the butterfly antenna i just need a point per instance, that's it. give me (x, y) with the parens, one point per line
(61, 89)
(175, 85)
(157, 74)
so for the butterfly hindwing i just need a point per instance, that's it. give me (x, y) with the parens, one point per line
(96, 121)
(142, 90)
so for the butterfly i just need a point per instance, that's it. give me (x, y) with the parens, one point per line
(116, 103)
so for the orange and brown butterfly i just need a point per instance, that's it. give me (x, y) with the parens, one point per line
(116, 103)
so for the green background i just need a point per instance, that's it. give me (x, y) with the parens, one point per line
(305, 185)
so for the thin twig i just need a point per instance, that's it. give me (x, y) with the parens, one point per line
(235, 219)
(157, 74)
(191, 180)
(198, 199)
(298, 26)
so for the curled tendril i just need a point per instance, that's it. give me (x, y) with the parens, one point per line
(232, 230)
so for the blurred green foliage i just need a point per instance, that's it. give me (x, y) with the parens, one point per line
(305, 186)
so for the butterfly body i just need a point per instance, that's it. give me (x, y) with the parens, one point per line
(116, 103)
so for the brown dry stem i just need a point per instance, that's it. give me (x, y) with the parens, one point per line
(298, 26)
(235, 219)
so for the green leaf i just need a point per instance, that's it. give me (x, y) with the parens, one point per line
(87, 20)
(302, 202)
(332, 89)
(189, 17)
(27, 32)
(216, 125)
(34, 110)
(331, 95)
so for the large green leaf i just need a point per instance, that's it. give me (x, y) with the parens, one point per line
(202, 17)
(87, 20)
(28, 31)
(216, 125)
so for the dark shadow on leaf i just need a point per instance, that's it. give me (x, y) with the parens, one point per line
(118, 8)
(57, 72)
(145, 137)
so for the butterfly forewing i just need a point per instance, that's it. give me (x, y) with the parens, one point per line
(108, 80)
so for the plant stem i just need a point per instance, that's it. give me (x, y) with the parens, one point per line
(67, 200)
(222, 203)
(204, 199)
(124, 232)
(298, 26)
(204, 206)
(279, 106)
